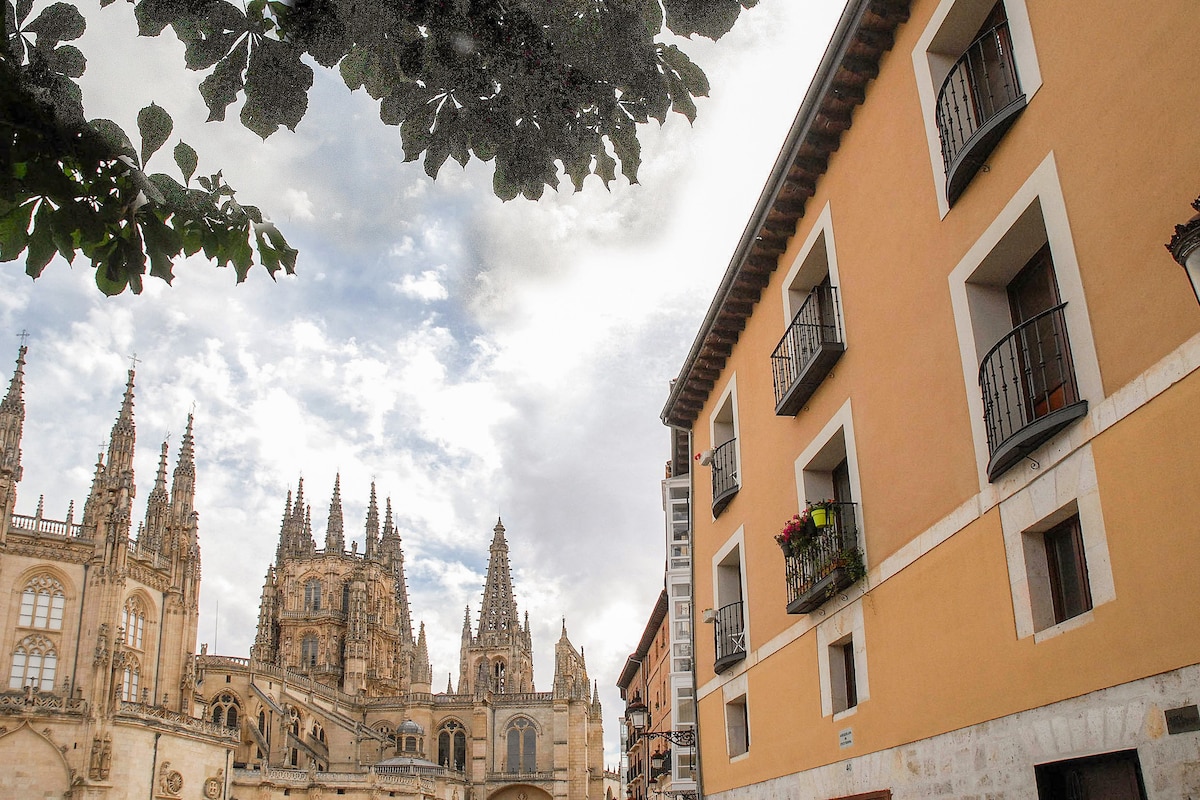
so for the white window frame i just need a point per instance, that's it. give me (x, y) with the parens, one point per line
(735, 543)
(950, 30)
(846, 623)
(977, 304)
(813, 479)
(728, 400)
(733, 693)
(805, 271)
(1067, 488)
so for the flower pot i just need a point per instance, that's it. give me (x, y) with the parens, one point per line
(820, 516)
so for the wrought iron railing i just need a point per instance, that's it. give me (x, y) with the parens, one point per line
(980, 95)
(830, 562)
(730, 634)
(724, 475)
(1029, 388)
(808, 350)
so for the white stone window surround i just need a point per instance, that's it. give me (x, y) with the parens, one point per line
(947, 36)
(732, 691)
(1070, 487)
(815, 463)
(847, 622)
(980, 305)
(817, 257)
(726, 405)
(734, 547)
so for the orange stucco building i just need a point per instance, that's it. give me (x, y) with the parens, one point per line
(952, 329)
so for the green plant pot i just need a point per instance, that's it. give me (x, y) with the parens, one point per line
(819, 517)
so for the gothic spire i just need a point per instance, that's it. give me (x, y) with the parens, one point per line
(392, 554)
(499, 611)
(12, 419)
(422, 669)
(121, 443)
(151, 535)
(466, 631)
(335, 537)
(183, 481)
(295, 534)
(372, 524)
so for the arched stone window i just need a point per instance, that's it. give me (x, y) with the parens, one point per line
(312, 595)
(498, 676)
(522, 746)
(42, 604)
(225, 710)
(452, 746)
(308, 651)
(34, 663)
(129, 680)
(133, 620)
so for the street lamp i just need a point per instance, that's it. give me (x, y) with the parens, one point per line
(1185, 248)
(638, 716)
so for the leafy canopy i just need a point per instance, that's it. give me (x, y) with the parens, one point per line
(534, 85)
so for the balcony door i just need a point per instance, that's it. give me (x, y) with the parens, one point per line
(1043, 358)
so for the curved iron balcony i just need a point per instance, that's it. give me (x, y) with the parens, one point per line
(1029, 389)
(979, 100)
(730, 633)
(821, 570)
(807, 352)
(724, 476)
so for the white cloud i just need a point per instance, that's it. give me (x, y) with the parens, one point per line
(426, 287)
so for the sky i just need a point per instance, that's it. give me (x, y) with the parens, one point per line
(475, 359)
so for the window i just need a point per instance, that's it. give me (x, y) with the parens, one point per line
(34, 663)
(498, 676)
(312, 595)
(133, 620)
(725, 464)
(308, 651)
(737, 726)
(813, 340)
(452, 746)
(1067, 568)
(522, 746)
(1025, 339)
(729, 628)
(685, 705)
(224, 710)
(976, 70)
(827, 472)
(42, 604)
(129, 680)
(1113, 776)
(842, 675)
(842, 661)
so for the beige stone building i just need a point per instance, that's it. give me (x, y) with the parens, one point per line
(106, 699)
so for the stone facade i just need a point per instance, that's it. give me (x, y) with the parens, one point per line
(98, 630)
(105, 697)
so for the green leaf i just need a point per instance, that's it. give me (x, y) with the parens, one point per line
(58, 22)
(154, 125)
(628, 150)
(114, 136)
(14, 231)
(221, 87)
(186, 159)
(68, 60)
(277, 84)
(163, 244)
(606, 166)
(709, 18)
(41, 242)
(692, 76)
(23, 9)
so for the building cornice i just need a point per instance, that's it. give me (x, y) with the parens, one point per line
(863, 34)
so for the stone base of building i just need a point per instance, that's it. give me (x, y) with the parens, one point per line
(996, 760)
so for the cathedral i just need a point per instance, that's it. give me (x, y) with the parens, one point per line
(108, 698)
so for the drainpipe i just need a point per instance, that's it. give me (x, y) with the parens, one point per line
(79, 630)
(154, 765)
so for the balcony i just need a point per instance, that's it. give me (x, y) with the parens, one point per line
(724, 476)
(807, 352)
(833, 561)
(1029, 389)
(979, 100)
(730, 633)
